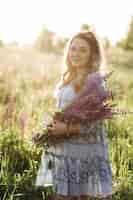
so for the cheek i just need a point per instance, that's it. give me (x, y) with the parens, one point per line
(86, 58)
(69, 54)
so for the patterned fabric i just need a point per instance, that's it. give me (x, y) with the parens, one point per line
(80, 165)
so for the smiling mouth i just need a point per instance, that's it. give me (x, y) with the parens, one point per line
(76, 59)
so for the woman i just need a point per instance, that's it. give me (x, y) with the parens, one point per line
(79, 166)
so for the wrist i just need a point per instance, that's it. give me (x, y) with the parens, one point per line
(73, 129)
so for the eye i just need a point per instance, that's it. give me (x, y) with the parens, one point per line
(72, 48)
(80, 50)
(83, 50)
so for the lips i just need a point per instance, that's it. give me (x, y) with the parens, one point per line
(76, 59)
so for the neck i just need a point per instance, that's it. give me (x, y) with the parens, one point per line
(80, 70)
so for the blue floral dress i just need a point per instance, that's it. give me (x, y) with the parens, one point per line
(80, 165)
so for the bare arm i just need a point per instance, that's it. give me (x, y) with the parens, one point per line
(62, 128)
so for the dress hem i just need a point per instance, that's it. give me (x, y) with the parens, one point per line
(88, 194)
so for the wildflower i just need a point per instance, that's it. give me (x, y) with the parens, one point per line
(90, 105)
(10, 109)
(22, 123)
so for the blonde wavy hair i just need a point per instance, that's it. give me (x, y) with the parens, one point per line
(96, 61)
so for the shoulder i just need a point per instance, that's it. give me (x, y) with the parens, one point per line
(65, 90)
(64, 95)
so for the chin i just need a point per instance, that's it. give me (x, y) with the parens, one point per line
(77, 65)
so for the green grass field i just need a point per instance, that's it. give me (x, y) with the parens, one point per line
(27, 82)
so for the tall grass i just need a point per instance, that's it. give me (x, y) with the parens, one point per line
(27, 81)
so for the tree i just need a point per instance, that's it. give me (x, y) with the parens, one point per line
(106, 43)
(85, 27)
(129, 37)
(127, 42)
(121, 43)
(44, 42)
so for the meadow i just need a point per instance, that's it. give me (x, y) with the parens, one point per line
(27, 82)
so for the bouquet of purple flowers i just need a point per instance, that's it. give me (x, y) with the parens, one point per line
(91, 104)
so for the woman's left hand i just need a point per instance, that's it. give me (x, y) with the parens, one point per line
(58, 128)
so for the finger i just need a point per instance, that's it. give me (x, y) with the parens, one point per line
(50, 125)
(37, 135)
(33, 138)
(50, 129)
(40, 136)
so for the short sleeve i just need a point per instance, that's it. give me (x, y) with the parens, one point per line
(64, 96)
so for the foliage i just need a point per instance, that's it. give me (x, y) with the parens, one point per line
(44, 42)
(106, 43)
(127, 42)
(48, 41)
(85, 27)
(31, 80)
(119, 58)
(1, 43)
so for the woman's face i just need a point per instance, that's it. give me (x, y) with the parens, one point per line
(79, 52)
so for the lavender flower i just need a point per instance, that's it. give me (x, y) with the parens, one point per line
(92, 102)
(90, 105)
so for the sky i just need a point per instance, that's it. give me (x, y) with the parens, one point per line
(22, 20)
